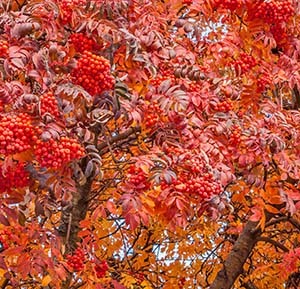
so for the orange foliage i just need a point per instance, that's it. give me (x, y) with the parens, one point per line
(139, 137)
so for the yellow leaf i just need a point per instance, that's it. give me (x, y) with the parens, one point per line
(46, 280)
(146, 285)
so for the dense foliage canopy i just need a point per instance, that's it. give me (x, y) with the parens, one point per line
(149, 144)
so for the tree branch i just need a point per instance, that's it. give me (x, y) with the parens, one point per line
(294, 222)
(233, 265)
(273, 242)
(118, 138)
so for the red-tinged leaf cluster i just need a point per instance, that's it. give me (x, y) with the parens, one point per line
(17, 133)
(291, 261)
(244, 64)
(49, 105)
(76, 260)
(3, 242)
(4, 48)
(14, 177)
(82, 42)
(55, 154)
(228, 4)
(92, 72)
(101, 269)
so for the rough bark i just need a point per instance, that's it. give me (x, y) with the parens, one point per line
(233, 265)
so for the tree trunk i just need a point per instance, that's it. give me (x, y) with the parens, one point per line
(233, 265)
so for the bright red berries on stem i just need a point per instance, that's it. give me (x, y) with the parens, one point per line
(93, 73)
(3, 48)
(273, 12)
(15, 176)
(82, 42)
(56, 153)
(76, 260)
(49, 104)
(228, 4)
(67, 7)
(101, 269)
(244, 64)
(223, 106)
(137, 178)
(17, 134)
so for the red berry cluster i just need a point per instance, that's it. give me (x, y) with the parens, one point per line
(187, 2)
(49, 104)
(3, 48)
(101, 269)
(274, 11)
(263, 81)
(17, 134)
(93, 73)
(223, 106)
(202, 186)
(14, 177)
(244, 64)
(235, 135)
(228, 4)
(67, 7)
(56, 153)
(76, 260)
(82, 42)
(159, 79)
(194, 87)
(137, 178)
(279, 33)
(152, 115)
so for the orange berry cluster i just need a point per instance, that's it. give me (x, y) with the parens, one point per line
(279, 33)
(245, 63)
(263, 81)
(274, 11)
(228, 4)
(223, 106)
(67, 7)
(193, 176)
(76, 261)
(49, 104)
(15, 177)
(82, 42)
(56, 153)
(152, 115)
(101, 269)
(159, 79)
(235, 135)
(137, 178)
(17, 134)
(202, 186)
(3, 48)
(194, 87)
(93, 73)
